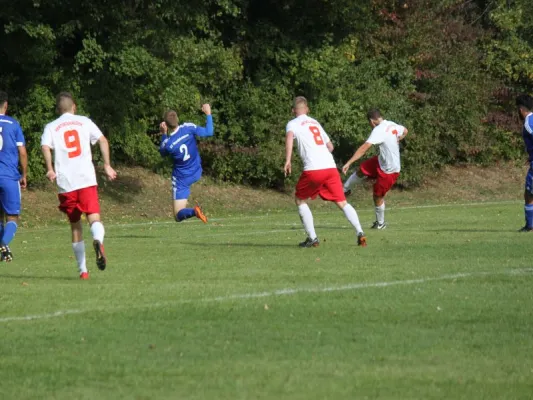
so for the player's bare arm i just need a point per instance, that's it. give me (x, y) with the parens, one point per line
(330, 147)
(289, 141)
(104, 149)
(358, 154)
(23, 159)
(47, 153)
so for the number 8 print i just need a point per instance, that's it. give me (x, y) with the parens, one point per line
(72, 141)
(316, 134)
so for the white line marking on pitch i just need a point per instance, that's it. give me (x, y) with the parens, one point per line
(274, 293)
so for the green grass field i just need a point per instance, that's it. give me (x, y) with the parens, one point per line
(438, 306)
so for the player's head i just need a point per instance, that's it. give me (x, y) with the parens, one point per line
(3, 102)
(171, 119)
(374, 117)
(65, 103)
(524, 102)
(299, 106)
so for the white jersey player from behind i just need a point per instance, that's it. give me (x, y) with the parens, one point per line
(320, 176)
(70, 137)
(385, 169)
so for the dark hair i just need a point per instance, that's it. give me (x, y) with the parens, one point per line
(3, 98)
(525, 101)
(374, 114)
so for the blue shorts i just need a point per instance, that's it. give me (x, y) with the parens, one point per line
(529, 180)
(10, 196)
(181, 186)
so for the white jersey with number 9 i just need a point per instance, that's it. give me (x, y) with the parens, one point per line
(71, 137)
(312, 140)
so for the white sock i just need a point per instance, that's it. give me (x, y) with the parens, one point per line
(98, 231)
(79, 252)
(352, 216)
(353, 180)
(380, 213)
(307, 219)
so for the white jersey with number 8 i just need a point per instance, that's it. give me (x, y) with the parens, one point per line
(312, 140)
(71, 137)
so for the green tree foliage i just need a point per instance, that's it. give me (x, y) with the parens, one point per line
(432, 66)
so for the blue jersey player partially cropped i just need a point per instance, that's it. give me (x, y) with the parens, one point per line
(525, 112)
(12, 153)
(179, 143)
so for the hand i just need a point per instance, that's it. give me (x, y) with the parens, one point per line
(345, 168)
(163, 128)
(206, 108)
(287, 168)
(110, 172)
(23, 182)
(51, 175)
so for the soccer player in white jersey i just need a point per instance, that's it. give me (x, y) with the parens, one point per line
(320, 176)
(385, 169)
(70, 137)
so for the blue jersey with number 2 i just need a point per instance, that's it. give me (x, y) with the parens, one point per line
(181, 146)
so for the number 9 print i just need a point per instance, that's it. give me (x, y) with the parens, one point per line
(72, 141)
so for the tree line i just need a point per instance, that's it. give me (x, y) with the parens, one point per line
(447, 69)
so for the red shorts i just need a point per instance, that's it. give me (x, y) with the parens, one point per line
(384, 182)
(325, 183)
(78, 202)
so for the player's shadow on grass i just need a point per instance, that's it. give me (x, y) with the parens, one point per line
(122, 190)
(294, 245)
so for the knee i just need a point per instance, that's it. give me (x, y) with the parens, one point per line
(378, 201)
(341, 204)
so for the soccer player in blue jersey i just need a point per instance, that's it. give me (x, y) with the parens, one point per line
(179, 142)
(525, 111)
(12, 152)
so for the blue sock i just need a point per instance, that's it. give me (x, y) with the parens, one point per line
(9, 232)
(528, 208)
(186, 213)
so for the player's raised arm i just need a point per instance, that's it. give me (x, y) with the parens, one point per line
(209, 129)
(163, 130)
